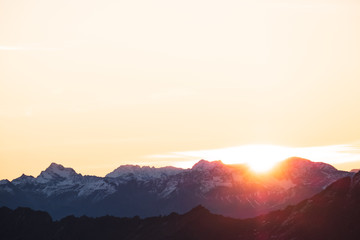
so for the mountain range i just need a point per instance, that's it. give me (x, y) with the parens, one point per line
(128, 191)
(334, 213)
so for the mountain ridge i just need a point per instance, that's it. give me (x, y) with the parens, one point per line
(145, 191)
(333, 213)
(202, 164)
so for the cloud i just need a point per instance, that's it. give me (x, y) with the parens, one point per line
(25, 48)
(164, 156)
(250, 154)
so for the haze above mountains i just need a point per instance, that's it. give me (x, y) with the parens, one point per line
(129, 190)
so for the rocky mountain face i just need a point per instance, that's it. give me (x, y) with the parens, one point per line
(334, 213)
(144, 191)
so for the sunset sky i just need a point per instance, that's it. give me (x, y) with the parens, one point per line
(95, 84)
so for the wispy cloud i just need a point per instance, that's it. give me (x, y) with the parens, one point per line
(251, 154)
(165, 156)
(26, 48)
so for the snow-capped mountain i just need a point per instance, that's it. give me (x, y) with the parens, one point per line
(332, 214)
(143, 173)
(57, 180)
(56, 172)
(230, 190)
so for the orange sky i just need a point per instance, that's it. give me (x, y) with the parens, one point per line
(96, 84)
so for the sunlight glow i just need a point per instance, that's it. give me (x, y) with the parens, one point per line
(262, 158)
(89, 83)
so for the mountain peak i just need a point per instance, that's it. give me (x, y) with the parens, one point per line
(297, 163)
(59, 169)
(23, 179)
(296, 160)
(56, 171)
(4, 181)
(55, 165)
(207, 165)
(199, 210)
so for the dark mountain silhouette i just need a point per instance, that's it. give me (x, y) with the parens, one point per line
(334, 213)
(129, 190)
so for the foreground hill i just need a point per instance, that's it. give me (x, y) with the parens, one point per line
(129, 190)
(334, 213)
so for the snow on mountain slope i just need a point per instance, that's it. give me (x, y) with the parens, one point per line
(56, 172)
(24, 179)
(204, 165)
(143, 173)
(57, 180)
(304, 172)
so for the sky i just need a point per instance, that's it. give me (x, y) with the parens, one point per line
(96, 84)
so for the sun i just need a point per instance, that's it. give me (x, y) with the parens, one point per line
(260, 157)
(261, 166)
